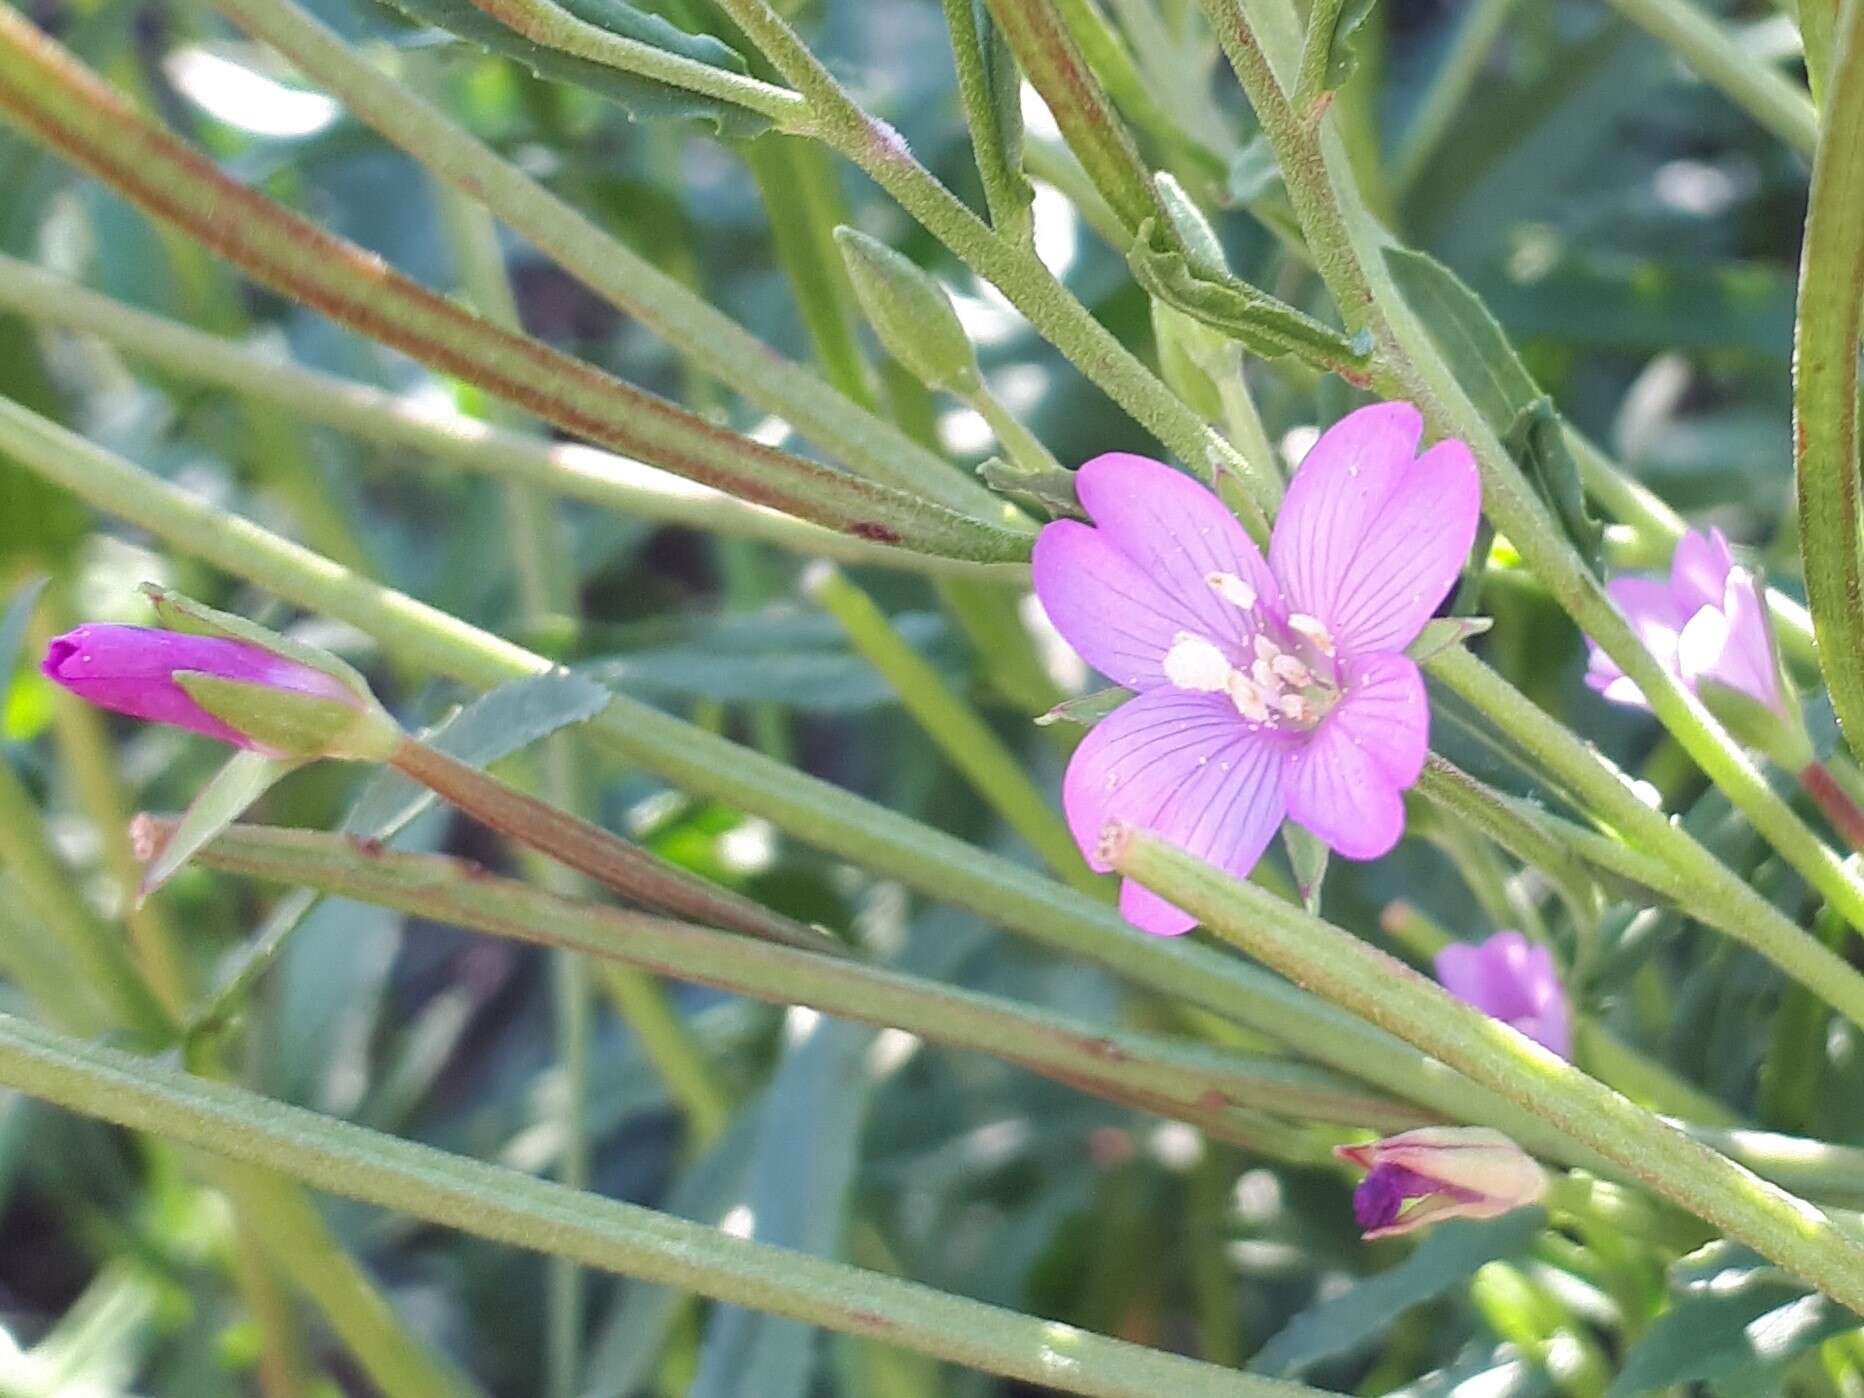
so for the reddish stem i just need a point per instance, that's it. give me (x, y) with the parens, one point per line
(1846, 816)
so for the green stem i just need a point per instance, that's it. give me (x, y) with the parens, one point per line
(1825, 382)
(1746, 79)
(59, 102)
(1609, 1059)
(1385, 991)
(1658, 527)
(1023, 446)
(1456, 77)
(1052, 61)
(969, 743)
(1348, 245)
(1310, 85)
(577, 472)
(990, 87)
(507, 1206)
(588, 849)
(94, 952)
(860, 831)
(1013, 268)
(1830, 796)
(1103, 1061)
(299, 1244)
(556, 28)
(711, 339)
(1710, 890)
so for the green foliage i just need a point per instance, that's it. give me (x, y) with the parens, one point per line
(1603, 250)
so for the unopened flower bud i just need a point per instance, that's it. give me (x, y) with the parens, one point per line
(910, 312)
(237, 691)
(1437, 1172)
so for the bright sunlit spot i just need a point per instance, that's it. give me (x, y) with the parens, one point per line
(249, 100)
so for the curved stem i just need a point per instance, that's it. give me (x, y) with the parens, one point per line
(590, 850)
(1385, 991)
(577, 472)
(48, 94)
(1748, 80)
(1012, 267)
(1846, 816)
(504, 1205)
(1348, 248)
(1825, 382)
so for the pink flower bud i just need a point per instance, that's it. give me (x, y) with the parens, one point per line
(1438, 1172)
(143, 672)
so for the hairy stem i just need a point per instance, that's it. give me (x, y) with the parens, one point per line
(507, 1206)
(55, 99)
(1825, 383)
(1387, 992)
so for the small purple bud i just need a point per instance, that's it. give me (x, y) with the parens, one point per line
(132, 670)
(1513, 980)
(1439, 1172)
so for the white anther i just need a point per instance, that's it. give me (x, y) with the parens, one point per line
(1249, 700)
(1232, 589)
(1266, 649)
(1195, 663)
(1263, 673)
(1297, 708)
(1311, 628)
(1292, 670)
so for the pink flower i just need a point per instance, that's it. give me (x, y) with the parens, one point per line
(1707, 622)
(142, 672)
(1264, 689)
(1513, 980)
(1440, 1172)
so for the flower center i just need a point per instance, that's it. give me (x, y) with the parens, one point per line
(1287, 680)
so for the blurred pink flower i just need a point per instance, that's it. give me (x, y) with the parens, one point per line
(133, 670)
(1264, 689)
(1708, 621)
(1513, 980)
(1449, 1171)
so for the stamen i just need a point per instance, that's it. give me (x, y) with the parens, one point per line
(1311, 628)
(1232, 589)
(1292, 671)
(1263, 673)
(1250, 702)
(1266, 649)
(1197, 664)
(1297, 708)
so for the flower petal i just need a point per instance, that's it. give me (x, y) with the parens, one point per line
(1656, 616)
(1748, 661)
(1121, 591)
(1120, 621)
(1369, 539)
(1186, 767)
(1699, 569)
(1343, 784)
(131, 670)
(1513, 980)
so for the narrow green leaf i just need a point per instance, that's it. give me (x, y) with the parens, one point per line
(799, 1188)
(1308, 856)
(1342, 44)
(1447, 1257)
(1049, 489)
(13, 624)
(1444, 632)
(1825, 382)
(1088, 710)
(643, 26)
(990, 85)
(245, 778)
(1498, 383)
(1263, 324)
(642, 98)
(1537, 439)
